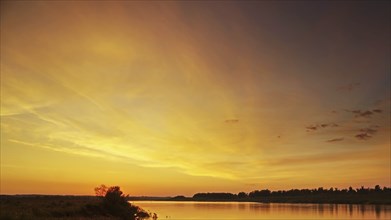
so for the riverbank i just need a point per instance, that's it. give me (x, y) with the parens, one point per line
(55, 207)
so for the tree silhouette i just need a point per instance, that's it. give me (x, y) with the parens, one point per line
(114, 196)
(101, 190)
(242, 195)
(115, 203)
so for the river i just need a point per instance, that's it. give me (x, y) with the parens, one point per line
(251, 210)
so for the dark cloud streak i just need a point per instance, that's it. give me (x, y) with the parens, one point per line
(348, 87)
(364, 114)
(366, 133)
(320, 126)
(363, 136)
(232, 121)
(335, 139)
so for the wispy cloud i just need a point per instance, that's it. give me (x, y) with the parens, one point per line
(77, 150)
(368, 130)
(306, 159)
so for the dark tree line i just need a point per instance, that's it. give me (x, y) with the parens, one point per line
(218, 196)
(376, 195)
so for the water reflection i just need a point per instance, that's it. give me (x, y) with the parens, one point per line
(248, 210)
(377, 211)
(213, 205)
(350, 210)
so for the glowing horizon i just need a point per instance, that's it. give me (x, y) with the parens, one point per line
(168, 98)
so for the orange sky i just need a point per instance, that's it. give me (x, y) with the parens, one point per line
(167, 98)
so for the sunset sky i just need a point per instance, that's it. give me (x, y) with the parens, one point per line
(168, 98)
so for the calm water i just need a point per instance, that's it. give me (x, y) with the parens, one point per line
(249, 210)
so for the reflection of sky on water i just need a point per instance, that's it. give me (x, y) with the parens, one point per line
(248, 210)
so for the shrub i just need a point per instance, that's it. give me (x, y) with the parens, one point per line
(116, 204)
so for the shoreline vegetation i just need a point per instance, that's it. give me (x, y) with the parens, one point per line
(111, 203)
(376, 195)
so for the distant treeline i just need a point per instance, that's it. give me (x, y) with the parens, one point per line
(361, 195)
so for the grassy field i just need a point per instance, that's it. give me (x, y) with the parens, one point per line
(52, 207)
